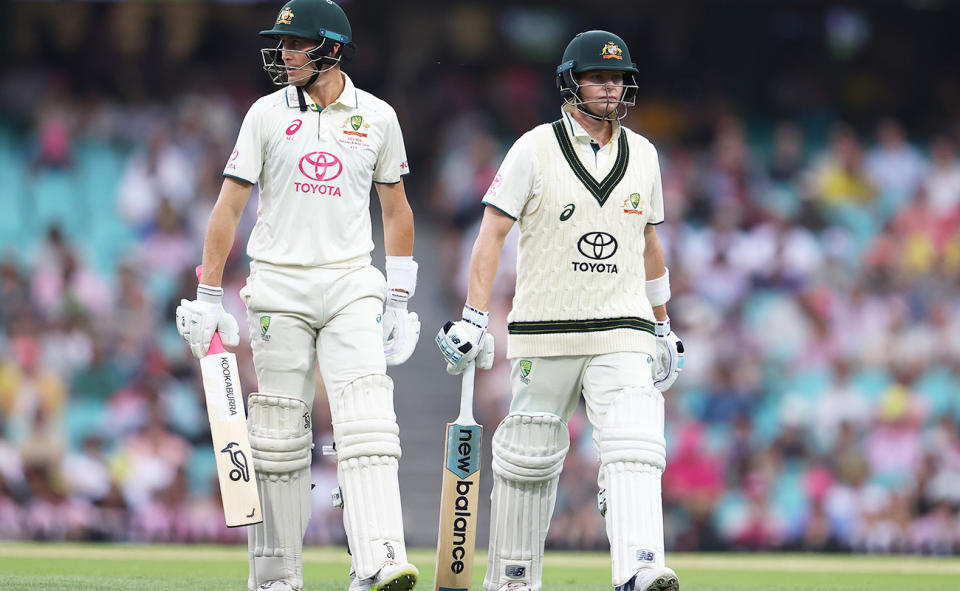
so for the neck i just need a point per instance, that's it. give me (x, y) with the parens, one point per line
(327, 88)
(601, 131)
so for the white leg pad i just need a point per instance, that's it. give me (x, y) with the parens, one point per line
(368, 448)
(281, 441)
(528, 453)
(632, 459)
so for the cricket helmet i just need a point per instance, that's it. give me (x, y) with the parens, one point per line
(591, 51)
(317, 20)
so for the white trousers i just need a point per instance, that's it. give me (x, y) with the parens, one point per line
(299, 317)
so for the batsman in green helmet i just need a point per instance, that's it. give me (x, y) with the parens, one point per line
(315, 147)
(589, 318)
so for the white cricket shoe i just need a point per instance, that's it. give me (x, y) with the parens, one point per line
(652, 579)
(392, 577)
(276, 585)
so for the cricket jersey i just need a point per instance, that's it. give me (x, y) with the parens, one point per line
(582, 210)
(314, 169)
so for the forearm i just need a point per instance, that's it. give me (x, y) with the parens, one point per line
(484, 261)
(222, 229)
(654, 265)
(398, 231)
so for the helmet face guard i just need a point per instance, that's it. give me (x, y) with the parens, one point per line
(570, 86)
(318, 62)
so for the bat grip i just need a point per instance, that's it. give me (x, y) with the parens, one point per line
(466, 396)
(216, 343)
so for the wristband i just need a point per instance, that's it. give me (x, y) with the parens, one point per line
(209, 294)
(661, 329)
(658, 290)
(402, 274)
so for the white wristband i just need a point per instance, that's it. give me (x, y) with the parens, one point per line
(402, 274)
(209, 294)
(658, 290)
(476, 317)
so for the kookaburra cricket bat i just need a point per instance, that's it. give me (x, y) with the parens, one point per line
(228, 429)
(458, 499)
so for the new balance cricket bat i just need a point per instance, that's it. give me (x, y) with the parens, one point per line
(228, 429)
(458, 499)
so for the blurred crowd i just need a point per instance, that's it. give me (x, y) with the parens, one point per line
(814, 257)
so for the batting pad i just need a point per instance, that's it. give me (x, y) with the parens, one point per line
(281, 441)
(632, 459)
(368, 448)
(528, 453)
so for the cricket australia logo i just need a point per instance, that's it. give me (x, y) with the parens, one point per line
(611, 51)
(525, 366)
(356, 121)
(239, 460)
(264, 327)
(285, 17)
(632, 204)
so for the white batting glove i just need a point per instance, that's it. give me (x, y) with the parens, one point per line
(669, 358)
(465, 341)
(197, 320)
(401, 329)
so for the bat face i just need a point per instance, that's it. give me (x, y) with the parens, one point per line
(458, 508)
(228, 429)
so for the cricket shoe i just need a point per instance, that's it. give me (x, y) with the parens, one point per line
(515, 586)
(275, 585)
(392, 577)
(652, 579)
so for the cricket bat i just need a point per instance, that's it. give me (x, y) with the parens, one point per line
(458, 500)
(228, 429)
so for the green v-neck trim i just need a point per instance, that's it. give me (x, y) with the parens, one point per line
(600, 190)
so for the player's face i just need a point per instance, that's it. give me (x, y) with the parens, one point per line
(294, 57)
(601, 91)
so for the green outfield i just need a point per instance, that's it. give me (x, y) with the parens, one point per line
(54, 567)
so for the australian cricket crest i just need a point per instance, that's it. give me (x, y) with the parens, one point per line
(632, 204)
(354, 132)
(611, 51)
(264, 327)
(356, 121)
(285, 17)
(525, 366)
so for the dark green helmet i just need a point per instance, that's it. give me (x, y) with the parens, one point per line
(317, 20)
(591, 51)
(312, 19)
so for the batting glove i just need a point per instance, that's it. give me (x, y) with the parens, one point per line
(465, 341)
(197, 320)
(401, 329)
(669, 358)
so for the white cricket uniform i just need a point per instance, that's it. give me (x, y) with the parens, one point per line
(312, 240)
(313, 297)
(581, 322)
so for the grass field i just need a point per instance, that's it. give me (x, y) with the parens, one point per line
(55, 567)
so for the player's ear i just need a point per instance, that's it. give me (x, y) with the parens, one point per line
(335, 51)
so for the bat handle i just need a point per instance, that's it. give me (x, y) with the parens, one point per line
(466, 396)
(216, 344)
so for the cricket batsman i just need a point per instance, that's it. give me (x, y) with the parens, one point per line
(589, 316)
(314, 147)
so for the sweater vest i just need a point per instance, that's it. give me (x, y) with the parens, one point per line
(580, 267)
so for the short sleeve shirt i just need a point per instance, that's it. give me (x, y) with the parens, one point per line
(315, 169)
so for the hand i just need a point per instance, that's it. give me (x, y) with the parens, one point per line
(401, 329)
(466, 340)
(197, 320)
(670, 357)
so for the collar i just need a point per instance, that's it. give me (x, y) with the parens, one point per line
(578, 132)
(348, 98)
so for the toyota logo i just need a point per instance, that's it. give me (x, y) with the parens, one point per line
(320, 166)
(597, 245)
